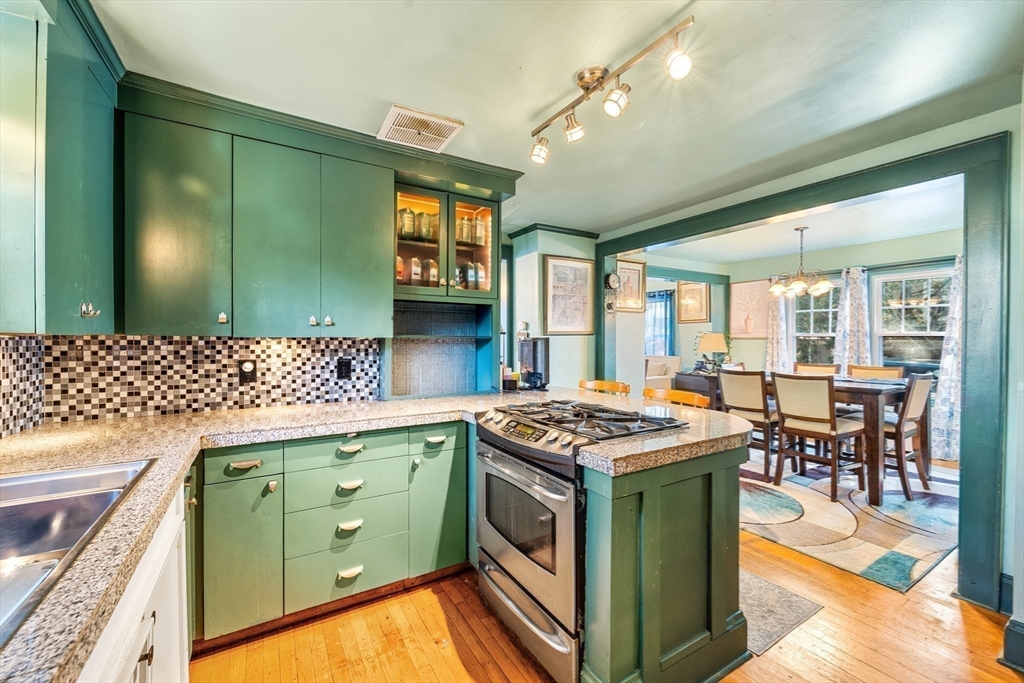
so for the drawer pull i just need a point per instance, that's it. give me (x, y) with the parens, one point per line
(350, 526)
(245, 464)
(354, 448)
(351, 485)
(436, 439)
(350, 573)
(352, 435)
(272, 486)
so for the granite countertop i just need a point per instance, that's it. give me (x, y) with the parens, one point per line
(55, 641)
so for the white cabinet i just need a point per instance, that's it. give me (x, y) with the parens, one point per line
(146, 639)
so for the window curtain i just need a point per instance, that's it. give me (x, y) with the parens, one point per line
(660, 323)
(853, 336)
(945, 444)
(777, 352)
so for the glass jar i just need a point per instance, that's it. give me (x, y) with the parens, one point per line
(480, 238)
(431, 272)
(415, 271)
(423, 227)
(406, 224)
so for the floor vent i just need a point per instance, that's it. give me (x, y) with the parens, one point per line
(418, 129)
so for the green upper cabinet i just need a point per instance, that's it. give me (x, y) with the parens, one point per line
(357, 205)
(446, 245)
(437, 510)
(276, 270)
(177, 242)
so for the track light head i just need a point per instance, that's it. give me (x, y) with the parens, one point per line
(540, 151)
(573, 129)
(678, 64)
(616, 101)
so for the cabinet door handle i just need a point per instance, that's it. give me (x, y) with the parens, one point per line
(312, 321)
(350, 526)
(436, 439)
(415, 463)
(222, 318)
(350, 573)
(327, 321)
(272, 486)
(443, 282)
(192, 502)
(354, 448)
(245, 464)
(88, 311)
(351, 485)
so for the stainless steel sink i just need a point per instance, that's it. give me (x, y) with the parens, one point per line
(45, 521)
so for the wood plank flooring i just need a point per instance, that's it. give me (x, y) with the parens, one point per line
(442, 631)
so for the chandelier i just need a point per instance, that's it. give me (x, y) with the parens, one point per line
(594, 79)
(813, 283)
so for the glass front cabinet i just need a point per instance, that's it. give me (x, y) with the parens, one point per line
(446, 245)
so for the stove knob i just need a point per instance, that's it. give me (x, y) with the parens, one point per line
(489, 415)
(498, 417)
(553, 436)
(566, 440)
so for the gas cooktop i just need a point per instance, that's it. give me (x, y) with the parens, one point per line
(550, 433)
(590, 419)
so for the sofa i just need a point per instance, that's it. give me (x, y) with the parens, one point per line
(659, 371)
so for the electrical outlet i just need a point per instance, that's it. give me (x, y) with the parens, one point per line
(344, 368)
(246, 371)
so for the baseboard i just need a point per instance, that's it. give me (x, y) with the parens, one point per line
(1013, 646)
(1006, 594)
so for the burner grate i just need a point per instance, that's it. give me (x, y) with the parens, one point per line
(591, 420)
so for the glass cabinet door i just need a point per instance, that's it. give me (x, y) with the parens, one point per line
(420, 231)
(471, 251)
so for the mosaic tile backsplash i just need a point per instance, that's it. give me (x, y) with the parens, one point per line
(21, 383)
(86, 378)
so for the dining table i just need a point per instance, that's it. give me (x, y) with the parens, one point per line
(873, 396)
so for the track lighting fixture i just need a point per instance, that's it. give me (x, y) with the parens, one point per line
(594, 79)
(573, 129)
(540, 151)
(617, 100)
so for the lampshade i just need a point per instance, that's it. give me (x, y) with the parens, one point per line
(712, 342)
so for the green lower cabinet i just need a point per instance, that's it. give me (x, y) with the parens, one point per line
(334, 526)
(437, 510)
(319, 578)
(243, 554)
(344, 449)
(345, 483)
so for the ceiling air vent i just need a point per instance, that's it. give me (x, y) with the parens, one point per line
(418, 128)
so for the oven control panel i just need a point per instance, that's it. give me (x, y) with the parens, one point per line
(523, 431)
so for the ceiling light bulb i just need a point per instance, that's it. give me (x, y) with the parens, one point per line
(540, 151)
(573, 129)
(678, 64)
(616, 101)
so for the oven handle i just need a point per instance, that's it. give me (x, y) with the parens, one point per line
(523, 480)
(548, 638)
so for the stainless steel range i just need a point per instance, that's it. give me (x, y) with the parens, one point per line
(530, 517)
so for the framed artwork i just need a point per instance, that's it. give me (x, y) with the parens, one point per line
(632, 294)
(748, 309)
(568, 295)
(693, 302)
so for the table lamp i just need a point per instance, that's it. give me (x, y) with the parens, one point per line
(711, 342)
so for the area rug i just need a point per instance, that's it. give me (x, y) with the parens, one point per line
(894, 545)
(771, 611)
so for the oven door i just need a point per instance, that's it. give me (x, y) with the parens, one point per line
(525, 521)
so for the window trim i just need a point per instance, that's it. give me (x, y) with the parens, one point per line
(875, 303)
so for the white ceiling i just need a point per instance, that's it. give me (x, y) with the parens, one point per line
(778, 85)
(914, 210)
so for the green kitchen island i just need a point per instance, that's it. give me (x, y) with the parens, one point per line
(662, 560)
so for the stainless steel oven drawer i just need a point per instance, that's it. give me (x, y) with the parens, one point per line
(556, 650)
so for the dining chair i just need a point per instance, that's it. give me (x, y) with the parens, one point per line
(605, 386)
(875, 371)
(906, 425)
(815, 369)
(683, 398)
(745, 394)
(807, 410)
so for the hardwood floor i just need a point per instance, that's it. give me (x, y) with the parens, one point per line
(866, 633)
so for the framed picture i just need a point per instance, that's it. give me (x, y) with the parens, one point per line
(632, 294)
(568, 295)
(748, 309)
(693, 302)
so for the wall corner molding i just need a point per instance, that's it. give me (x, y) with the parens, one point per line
(552, 228)
(98, 35)
(1013, 646)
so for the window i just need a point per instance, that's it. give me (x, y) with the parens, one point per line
(659, 323)
(814, 327)
(909, 319)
